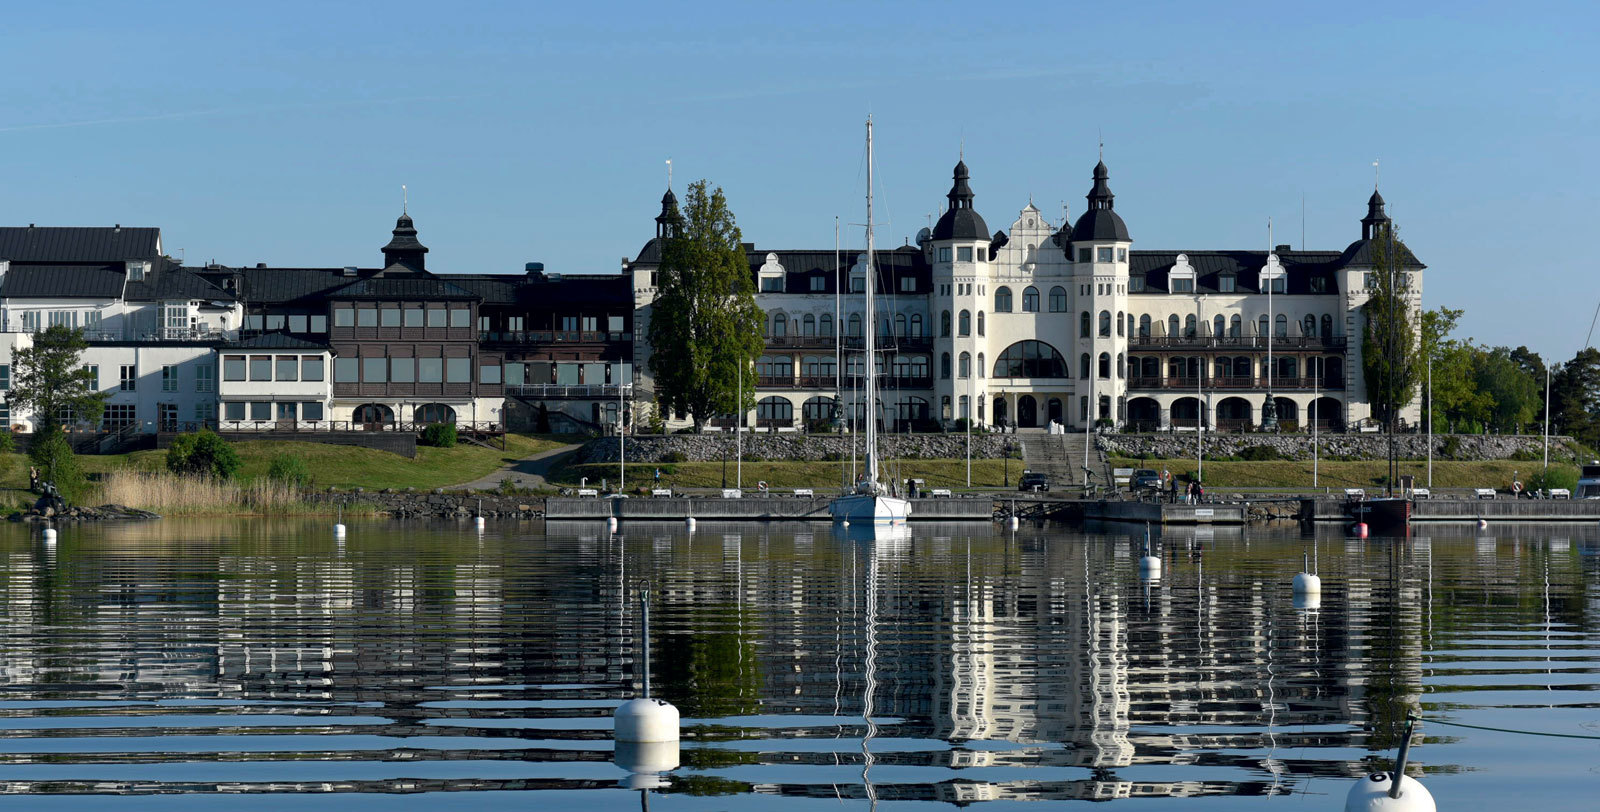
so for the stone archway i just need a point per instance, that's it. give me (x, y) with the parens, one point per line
(1055, 411)
(1027, 412)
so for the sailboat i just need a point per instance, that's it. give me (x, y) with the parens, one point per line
(869, 501)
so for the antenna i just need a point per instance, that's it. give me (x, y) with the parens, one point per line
(405, 199)
(1102, 133)
(1375, 175)
(669, 174)
(1302, 220)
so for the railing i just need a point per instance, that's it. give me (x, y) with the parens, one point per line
(1236, 383)
(882, 342)
(789, 342)
(1240, 342)
(163, 334)
(313, 426)
(552, 336)
(560, 391)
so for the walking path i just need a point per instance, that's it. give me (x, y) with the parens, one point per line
(527, 472)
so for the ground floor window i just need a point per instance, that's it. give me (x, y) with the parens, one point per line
(434, 413)
(118, 416)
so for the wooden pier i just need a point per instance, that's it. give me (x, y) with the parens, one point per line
(1325, 509)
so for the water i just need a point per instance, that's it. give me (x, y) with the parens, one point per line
(200, 665)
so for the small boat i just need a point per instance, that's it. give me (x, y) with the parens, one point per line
(870, 502)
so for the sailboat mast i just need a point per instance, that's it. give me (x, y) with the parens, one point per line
(871, 329)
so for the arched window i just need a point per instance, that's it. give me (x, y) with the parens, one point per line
(1083, 366)
(1105, 365)
(854, 326)
(1188, 326)
(1083, 324)
(883, 326)
(916, 325)
(825, 325)
(1309, 325)
(980, 322)
(1002, 300)
(1223, 368)
(1058, 299)
(1219, 326)
(944, 366)
(964, 367)
(966, 323)
(780, 325)
(818, 409)
(900, 325)
(1030, 299)
(964, 407)
(1282, 324)
(1122, 365)
(774, 411)
(1176, 368)
(808, 325)
(1105, 323)
(1172, 326)
(980, 365)
(1261, 326)
(944, 324)
(1119, 324)
(434, 413)
(1327, 326)
(1233, 326)
(1144, 325)
(1029, 359)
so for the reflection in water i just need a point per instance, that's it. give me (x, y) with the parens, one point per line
(961, 663)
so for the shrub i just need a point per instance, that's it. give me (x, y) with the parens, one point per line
(290, 470)
(52, 455)
(1451, 448)
(1527, 455)
(439, 435)
(674, 456)
(8, 446)
(1558, 476)
(203, 453)
(1260, 453)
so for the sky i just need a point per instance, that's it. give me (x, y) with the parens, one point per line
(283, 132)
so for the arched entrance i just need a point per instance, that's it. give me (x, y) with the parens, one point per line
(1329, 414)
(373, 416)
(1001, 412)
(1027, 412)
(1144, 414)
(434, 413)
(1288, 414)
(1185, 413)
(1233, 414)
(1054, 411)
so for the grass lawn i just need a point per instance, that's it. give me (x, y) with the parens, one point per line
(1359, 474)
(986, 473)
(338, 465)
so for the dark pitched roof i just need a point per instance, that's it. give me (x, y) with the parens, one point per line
(650, 254)
(800, 266)
(65, 281)
(275, 341)
(1300, 267)
(960, 221)
(424, 288)
(1100, 221)
(264, 286)
(1367, 252)
(60, 245)
(169, 281)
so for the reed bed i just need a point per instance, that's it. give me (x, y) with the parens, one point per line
(174, 495)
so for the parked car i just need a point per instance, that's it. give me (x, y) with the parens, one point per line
(1033, 482)
(1145, 478)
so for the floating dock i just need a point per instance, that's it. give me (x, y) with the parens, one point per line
(1323, 509)
(1163, 513)
(750, 508)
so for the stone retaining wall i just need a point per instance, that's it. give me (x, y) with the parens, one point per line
(429, 505)
(790, 446)
(1465, 447)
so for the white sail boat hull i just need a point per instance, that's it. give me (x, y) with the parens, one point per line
(869, 508)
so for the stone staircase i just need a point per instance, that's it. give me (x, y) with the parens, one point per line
(1060, 457)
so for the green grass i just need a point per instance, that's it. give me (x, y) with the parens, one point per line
(337, 465)
(1345, 474)
(943, 473)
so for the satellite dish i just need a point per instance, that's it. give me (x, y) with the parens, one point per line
(924, 235)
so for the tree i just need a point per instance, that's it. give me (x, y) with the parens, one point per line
(1388, 346)
(1575, 397)
(1509, 391)
(203, 453)
(706, 327)
(48, 379)
(1451, 372)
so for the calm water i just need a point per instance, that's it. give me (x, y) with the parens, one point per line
(227, 665)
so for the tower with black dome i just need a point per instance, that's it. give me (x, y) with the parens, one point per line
(958, 251)
(1098, 247)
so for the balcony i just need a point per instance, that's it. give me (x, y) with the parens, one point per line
(562, 391)
(173, 334)
(1190, 384)
(552, 336)
(1237, 342)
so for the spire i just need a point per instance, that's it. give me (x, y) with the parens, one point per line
(404, 248)
(1376, 220)
(1100, 196)
(959, 221)
(960, 195)
(667, 221)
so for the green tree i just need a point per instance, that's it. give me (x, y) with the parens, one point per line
(1511, 396)
(1575, 398)
(203, 453)
(1390, 364)
(706, 326)
(48, 379)
(1451, 369)
(51, 453)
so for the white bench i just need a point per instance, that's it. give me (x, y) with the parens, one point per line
(1560, 493)
(1421, 493)
(732, 493)
(1483, 493)
(660, 491)
(940, 493)
(805, 492)
(588, 492)
(1355, 493)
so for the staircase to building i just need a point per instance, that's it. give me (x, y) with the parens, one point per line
(1060, 457)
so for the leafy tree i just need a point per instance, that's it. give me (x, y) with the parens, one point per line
(51, 453)
(1451, 368)
(706, 326)
(1388, 357)
(1575, 398)
(1509, 392)
(203, 453)
(49, 380)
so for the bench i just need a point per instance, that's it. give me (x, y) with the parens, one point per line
(805, 492)
(582, 492)
(661, 492)
(1483, 493)
(1560, 493)
(1421, 493)
(940, 493)
(732, 493)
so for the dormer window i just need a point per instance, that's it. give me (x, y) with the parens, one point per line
(137, 269)
(1103, 254)
(819, 283)
(771, 274)
(1273, 277)
(1227, 283)
(1180, 278)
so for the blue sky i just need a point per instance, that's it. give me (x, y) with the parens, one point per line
(282, 132)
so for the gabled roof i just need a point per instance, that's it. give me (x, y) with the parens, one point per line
(63, 281)
(800, 266)
(1300, 267)
(62, 245)
(169, 281)
(413, 288)
(1368, 252)
(275, 341)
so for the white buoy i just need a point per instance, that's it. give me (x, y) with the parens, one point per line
(1483, 524)
(338, 527)
(1305, 583)
(645, 761)
(646, 719)
(611, 524)
(1360, 530)
(1149, 565)
(1392, 791)
(689, 523)
(1308, 600)
(845, 523)
(50, 534)
(479, 523)
(1014, 523)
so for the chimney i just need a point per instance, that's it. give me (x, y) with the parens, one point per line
(533, 268)
(261, 264)
(1281, 249)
